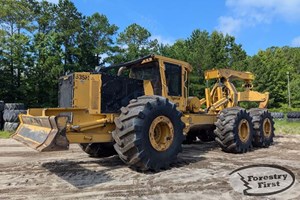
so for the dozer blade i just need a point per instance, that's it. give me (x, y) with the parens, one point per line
(42, 133)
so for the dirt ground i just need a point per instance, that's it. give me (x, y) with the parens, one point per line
(202, 172)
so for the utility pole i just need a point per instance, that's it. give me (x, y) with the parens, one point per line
(289, 92)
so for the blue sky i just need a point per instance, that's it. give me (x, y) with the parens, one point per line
(256, 24)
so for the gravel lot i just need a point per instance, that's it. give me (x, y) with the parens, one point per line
(202, 171)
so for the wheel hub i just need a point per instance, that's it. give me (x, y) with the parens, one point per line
(161, 133)
(267, 128)
(244, 130)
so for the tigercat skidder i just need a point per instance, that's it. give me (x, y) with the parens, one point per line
(141, 110)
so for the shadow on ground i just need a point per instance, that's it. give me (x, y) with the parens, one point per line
(81, 177)
(194, 152)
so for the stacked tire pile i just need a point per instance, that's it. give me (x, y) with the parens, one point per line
(1, 114)
(293, 116)
(277, 115)
(10, 115)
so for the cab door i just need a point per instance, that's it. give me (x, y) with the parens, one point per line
(175, 89)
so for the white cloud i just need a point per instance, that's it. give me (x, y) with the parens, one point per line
(296, 42)
(162, 40)
(247, 13)
(266, 10)
(229, 25)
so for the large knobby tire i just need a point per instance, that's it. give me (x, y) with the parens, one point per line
(1, 106)
(12, 115)
(293, 115)
(1, 117)
(149, 133)
(98, 150)
(14, 106)
(1, 120)
(1, 114)
(10, 126)
(277, 115)
(234, 130)
(263, 125)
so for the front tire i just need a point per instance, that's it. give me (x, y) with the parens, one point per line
(234, 130)
(149, 133)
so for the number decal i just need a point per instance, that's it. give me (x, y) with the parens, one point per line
(82, 77)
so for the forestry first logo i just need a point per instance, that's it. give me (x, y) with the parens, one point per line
(260, 180)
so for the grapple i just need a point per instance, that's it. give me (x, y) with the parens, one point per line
(43, 133)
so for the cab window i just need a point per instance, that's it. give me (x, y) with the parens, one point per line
(148, 71)
(173, 78)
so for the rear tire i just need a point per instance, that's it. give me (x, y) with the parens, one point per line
(293, 115)
(234, 130)
(10, 126)
(277, 115)
(12, 115)
(149, 133)
(1, 106)
(263, 126)
(1, 120)
(98, 150)
(14, 106)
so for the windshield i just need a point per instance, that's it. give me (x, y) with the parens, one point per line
(148, 71)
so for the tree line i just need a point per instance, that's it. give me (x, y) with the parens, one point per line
(40, 41)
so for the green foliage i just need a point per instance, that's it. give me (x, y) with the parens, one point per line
(249, 105)
(68, 24)
(271, 67)
(206, 51)
(4, 134)
(134, 42)
(285, 108)
(15, 19)
(40, 41)
(95, 41)
(286, 127)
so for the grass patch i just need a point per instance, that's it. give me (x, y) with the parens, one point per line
(4, 134)
(286, 127)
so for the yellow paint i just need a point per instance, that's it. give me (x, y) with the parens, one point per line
(94, 94)
(200, 119)
(180, 101)
(228, 74)
(100, 134)
(81, 89)
(193, 104)
(224, 94)
(86, 123)
(249, 95)
(148, 89)
(267, 128)
(244, 131)
(161, 133)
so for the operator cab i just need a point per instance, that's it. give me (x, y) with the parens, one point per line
(168, 76)
(148, 71)
(148, 68)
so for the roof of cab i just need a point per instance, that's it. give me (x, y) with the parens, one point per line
(149, 58)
